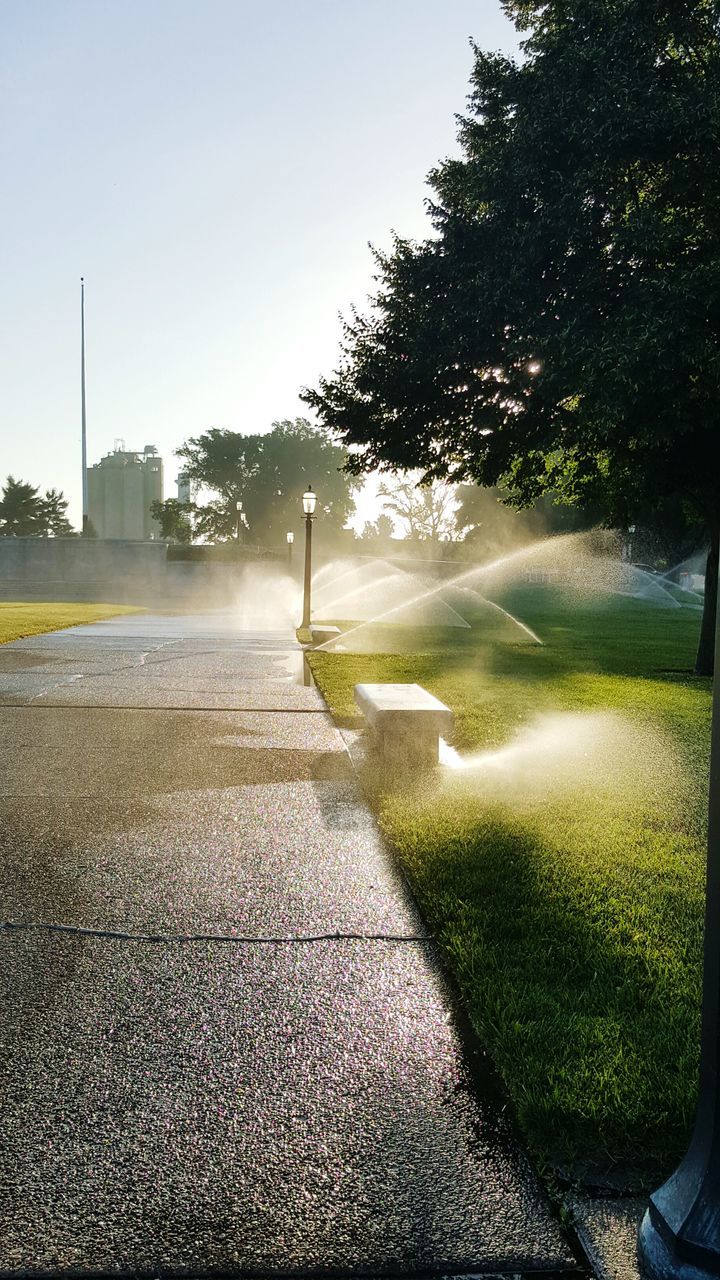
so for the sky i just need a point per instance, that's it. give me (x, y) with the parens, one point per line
(215, 170)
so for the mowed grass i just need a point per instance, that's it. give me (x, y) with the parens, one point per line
(20, 619)
(564, 877)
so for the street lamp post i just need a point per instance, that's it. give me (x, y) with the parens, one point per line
(238, 522)
(309, 500)
(290, 539)
(680, 1233)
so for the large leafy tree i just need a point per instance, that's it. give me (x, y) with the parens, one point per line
(425, 512)
(174, 519)
(559, 330)
(268, 474)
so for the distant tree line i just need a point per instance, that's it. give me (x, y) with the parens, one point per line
(26, 513)
(267, 474)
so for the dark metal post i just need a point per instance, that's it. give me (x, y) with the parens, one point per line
(290, 551)
(680, 1233)
(83, 421)
(308, 570)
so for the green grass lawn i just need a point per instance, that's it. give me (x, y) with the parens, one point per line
(20, 619)
(564, 877)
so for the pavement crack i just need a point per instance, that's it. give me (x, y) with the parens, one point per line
(47, 926)
(62, 682)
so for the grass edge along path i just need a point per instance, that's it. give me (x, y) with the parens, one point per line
(568, 906)
(21, 619)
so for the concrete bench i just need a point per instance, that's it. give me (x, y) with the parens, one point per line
(407, 722)
(320, 635)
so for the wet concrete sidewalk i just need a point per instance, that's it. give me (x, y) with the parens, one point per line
(195, 1077)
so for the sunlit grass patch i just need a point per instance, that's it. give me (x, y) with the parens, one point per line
(20, 619)
(573, 926)
(563, 873)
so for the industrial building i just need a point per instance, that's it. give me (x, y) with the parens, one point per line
(121, 488)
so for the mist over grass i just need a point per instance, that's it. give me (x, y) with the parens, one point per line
(563, 871)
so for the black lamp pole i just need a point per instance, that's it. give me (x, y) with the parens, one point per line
(680, 1233)
(309, 500)
(290, 541)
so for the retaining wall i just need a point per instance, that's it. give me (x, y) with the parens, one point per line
(86, 569)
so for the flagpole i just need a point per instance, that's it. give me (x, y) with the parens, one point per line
(85, 515)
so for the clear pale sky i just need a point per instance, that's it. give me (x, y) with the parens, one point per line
(215, 169)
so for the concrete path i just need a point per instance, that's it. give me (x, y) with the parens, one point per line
(260, 1098)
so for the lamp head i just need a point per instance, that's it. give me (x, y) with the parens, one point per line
(290, 536)
(238, 505)
(309, 500)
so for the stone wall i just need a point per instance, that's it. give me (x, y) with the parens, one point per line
(117, 572)
(80, 569)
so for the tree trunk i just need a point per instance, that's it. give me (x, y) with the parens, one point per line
(706, 647)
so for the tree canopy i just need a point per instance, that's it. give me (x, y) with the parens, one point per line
(25, 513)
(425, 512)
(174, 519)
(558, 330)
(268, 474)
